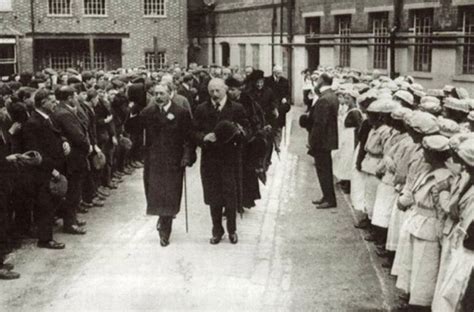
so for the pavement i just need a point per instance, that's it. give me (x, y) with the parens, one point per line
(290, 256)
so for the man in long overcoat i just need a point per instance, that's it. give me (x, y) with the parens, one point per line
(220, 159)
(323, 139)
(167, 152)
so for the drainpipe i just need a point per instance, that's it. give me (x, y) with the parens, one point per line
(397, 11)
(290, 8)
(274, 21)
(32, 17)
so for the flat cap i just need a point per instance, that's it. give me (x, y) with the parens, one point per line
(458, 138)
(465, 151)
(401, 113)
(405, 96)
(385, 106)
(460, 93)
(456, 104)
(437, 143)
(470, 117)
(435, 92)
(448, 127)
(423, 122)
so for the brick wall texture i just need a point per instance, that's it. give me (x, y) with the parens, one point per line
(125, 17)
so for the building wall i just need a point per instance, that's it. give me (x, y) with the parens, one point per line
(124, 17)
(244, 21)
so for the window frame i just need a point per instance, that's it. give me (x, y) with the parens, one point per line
(380, 36)
(164, 15)
(152, 62)
(422, 14)
(345, 43)
(467, 57)
(60, 15)
(106, 13)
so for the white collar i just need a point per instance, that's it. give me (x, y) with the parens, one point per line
(221, 103)
(44, 115)
(186, 86)
(167, 107)
(324, 88)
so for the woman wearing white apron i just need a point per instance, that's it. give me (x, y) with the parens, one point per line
(457, 257)
(357, 175)
(429, 198)
(335, 154)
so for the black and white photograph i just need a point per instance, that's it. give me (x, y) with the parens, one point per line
(237, 155)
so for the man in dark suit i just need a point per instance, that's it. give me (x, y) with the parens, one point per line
(41, 135)
(73, 129)
(281, 90)
(168, 129)
(221, 159)
(186, 89)
(323, 139)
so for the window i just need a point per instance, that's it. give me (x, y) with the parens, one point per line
(468, 49)
(62, 60)
(243, 55)
(343, 23)
(94, 7)
(154, 7)
(7, 59)
(380, 31)
(312, 25)
(423, 28)
(5, 5)
(150, 61)
(59, 7)
(256, 56)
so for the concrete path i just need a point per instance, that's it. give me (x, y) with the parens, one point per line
(290, 256)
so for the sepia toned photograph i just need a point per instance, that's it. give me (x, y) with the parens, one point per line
(237, 155)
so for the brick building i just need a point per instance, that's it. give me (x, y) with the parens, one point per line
(65, 33)
(432, 43)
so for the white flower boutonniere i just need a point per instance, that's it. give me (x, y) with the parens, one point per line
(170, 116)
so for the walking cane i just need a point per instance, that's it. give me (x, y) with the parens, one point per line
(186, 202)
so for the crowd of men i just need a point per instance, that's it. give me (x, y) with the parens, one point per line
(67, 139)
(406, 156)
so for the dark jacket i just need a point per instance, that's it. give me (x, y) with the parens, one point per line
(221, 163)
(105, 131)
(42, 136)
(323, 116)
(75, 132)
(281, 89)
(189, 95)
(265, 98)
(166, 136)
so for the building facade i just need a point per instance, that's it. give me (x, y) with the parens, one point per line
(433, 42)
(83, 34)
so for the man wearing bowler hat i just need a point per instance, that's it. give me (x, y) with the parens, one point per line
(220, 129)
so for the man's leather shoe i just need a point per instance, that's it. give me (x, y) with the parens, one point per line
(164, 242)
(81, 223)
(103, 191)
(326, 205)
(318, 201)
(82, 210)
(76, 230)
(215, 240)
(7, 266)
(52, 244)
(86, 204)
(8, 275)
(97, 202)
(362, 224)
(233, 238)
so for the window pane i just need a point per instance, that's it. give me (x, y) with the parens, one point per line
(344, 30)
(423, 22)
(94, 7)
(380, 31)
(59, 7)
(154, 7)
(5, 5)
(243, 55)
(468, 50)
(256, 56)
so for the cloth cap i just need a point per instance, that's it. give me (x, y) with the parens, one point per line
(448, 88)
(460, 93)
(448, 127)
(456, 139)
(126, 143)
(231, 82)
(99, 160)
(405, 96)
(32, 158)
(437, 143)
(456, 104)
(423, 122)
(419, 93)
(351, 92)
(470, 102)
(58, 187)
(465, 151)
(430, 104)
(470, 117)
(430, 98)
(401, 113)
(416, 87)
(435, 92)
(383, 106)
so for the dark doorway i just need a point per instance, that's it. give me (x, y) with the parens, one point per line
(225, 54)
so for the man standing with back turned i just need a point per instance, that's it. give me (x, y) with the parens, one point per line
(323, 139)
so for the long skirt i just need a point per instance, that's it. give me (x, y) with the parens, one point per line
(384, 200)
(371, 185)
(452, 289)
(417, 269)
(342, 163)
(396, 220)
(358, 186)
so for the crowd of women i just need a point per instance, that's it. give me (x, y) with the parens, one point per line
(406, 156)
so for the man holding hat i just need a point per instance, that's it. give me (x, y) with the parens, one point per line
(220, 126)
